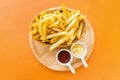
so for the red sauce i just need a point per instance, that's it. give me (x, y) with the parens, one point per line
(64, 56)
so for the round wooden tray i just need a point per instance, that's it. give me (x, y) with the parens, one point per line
(48, 58)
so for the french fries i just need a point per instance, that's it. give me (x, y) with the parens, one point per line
(72, 38)
(64, 8)
(40, 29)
(34, 31)
(54, 24)
(71, 24)
(72, 17)
(79, 31)
(44, 32)
(58, 27)
(58, 43)
(55, 39)
(56, 35)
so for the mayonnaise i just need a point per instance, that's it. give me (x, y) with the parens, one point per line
(77, 50)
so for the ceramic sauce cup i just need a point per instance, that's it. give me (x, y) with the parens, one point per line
(64, 57)
(79, 50)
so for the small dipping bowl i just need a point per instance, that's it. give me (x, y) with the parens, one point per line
(79, 50)
(64, 57)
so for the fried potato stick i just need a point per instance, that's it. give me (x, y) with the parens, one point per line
(54, 24)
(44, 32)
(64, 8)
(40, 29)
(79, 30)
(71, 38)
(34, 31)
(58, 43)
(72, 17)
(56, 34)
(55, 39)
(71, 24)
(57, 29)
(47, 15)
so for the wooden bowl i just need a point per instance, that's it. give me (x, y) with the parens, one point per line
(47, 58)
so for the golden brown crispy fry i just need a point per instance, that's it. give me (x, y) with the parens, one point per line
(71, 24)
(81, 17)
(59, 15)
(55, 39)
(73, 12)
(57, 29)
(44, 31)
(68, 14)
(57, 12)
(40, 29)
(56, 34)
(71, 32)
(34, 25)
(64, 17)
(83, 30)
(49, 30)
(76, 25)
(72, 38)
(42, 14)
(53, 32)
(37, 20)
(54, 24)
(60, 20)
(36, 37)
(61, 25)
(64, 9)
(34, 31)
(58, 43)
(79, 30)
(72, 17)
(47, 15)
(48, 18)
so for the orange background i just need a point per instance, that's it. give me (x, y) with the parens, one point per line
(17, 61)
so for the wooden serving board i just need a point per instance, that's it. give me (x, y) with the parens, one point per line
(48, 58)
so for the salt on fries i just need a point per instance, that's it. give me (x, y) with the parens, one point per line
(58, 27)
